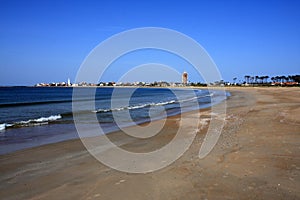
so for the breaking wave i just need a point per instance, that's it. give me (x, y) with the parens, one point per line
(31, 122)
(135, 106)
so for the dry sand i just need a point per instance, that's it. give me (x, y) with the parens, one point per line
(256, 157)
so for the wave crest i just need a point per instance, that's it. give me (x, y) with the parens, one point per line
(134, 106)
(31, 122)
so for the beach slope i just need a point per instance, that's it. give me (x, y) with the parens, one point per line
(256, 157)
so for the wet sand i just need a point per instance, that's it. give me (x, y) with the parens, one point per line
(256, 157)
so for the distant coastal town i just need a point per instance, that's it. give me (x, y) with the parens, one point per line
(291, 80)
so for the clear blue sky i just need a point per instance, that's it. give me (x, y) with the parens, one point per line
(45, 41)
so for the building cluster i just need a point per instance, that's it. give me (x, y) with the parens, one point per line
(135, 84)
(293, 80)
(53, 84)
(114, 84)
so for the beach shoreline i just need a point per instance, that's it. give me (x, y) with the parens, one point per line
(39, 128)
(257, 156)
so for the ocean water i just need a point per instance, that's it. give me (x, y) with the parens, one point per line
(32, 116)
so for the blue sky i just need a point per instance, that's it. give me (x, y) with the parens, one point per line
(45, 41)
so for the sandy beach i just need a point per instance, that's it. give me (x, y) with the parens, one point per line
(256, 157)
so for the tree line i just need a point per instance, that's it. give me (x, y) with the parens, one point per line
(265, 79)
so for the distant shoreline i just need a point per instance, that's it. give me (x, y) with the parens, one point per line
(176, 87)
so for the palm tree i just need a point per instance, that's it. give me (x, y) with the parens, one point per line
(251, 79)
(296, 78)
(247, 78)
(273, 79)
(256, 79)
(261, 78)
(266, 77)
(234, 79)
(286, 79)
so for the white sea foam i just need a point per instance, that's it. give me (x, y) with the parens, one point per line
(189, 99)
(2, 127)
(40, 120)
(151, 104)
(135, 106)
(147, 105)
(165, 103)
(47, 119)
(210, 94)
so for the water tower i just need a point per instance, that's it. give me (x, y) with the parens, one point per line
(184, 78)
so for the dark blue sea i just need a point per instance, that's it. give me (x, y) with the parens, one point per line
(33, 116)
